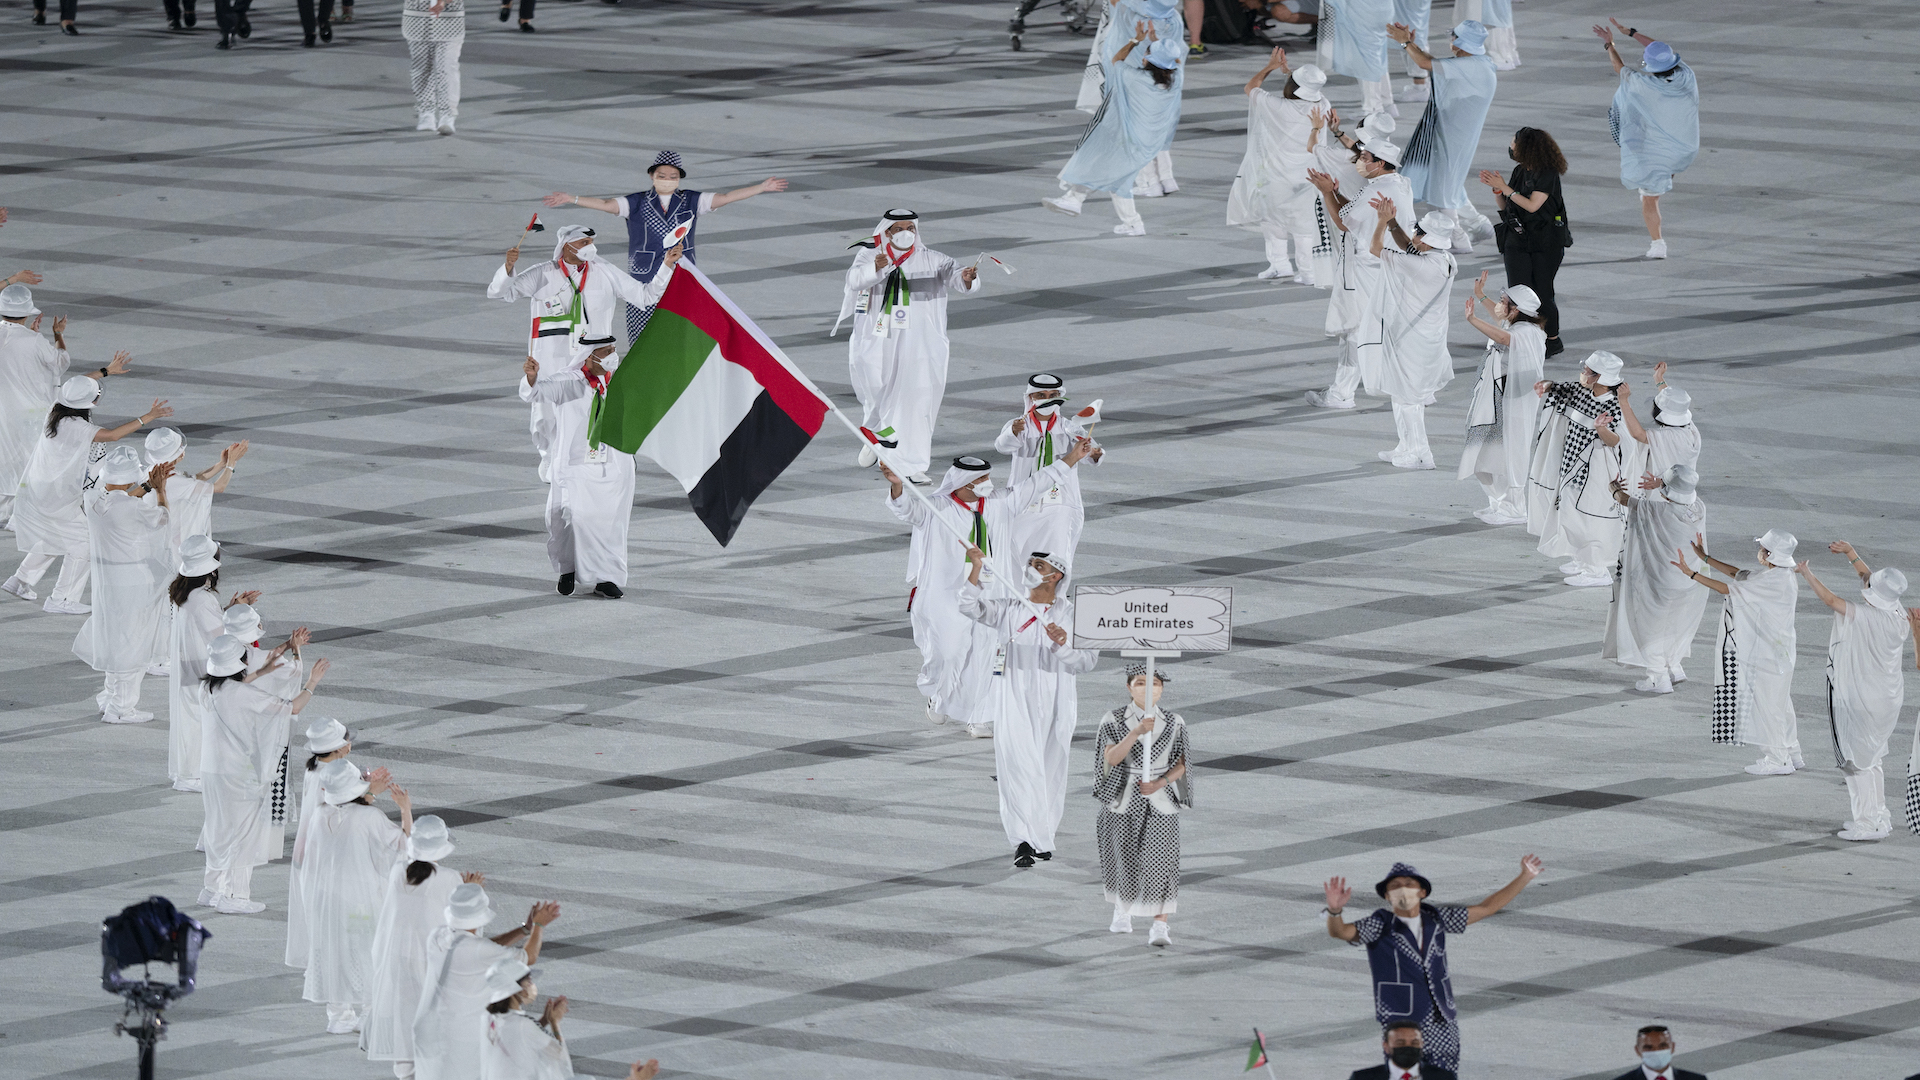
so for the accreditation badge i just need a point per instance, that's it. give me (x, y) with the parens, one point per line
(597, 455)
(899, 316)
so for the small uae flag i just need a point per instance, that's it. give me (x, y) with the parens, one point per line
(706, 394)
(1257, 1054)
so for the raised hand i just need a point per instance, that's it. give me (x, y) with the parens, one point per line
(1383, 208)
(399, 796)
(160, 411)
(472, 878)
(159, 473)
(646, 1070)
(1338, 893)
(544, 912)
(1480, 285)
(1603, 422)
(1660, 372)
(556, 1010)
(1400, 32)
(1681, 563)
(1277, 60)
(558, 198)
(1469, 311)
(1530, 866)
(673, 255)
(1648, 482)
(771, 183)
(320, 669)
(299, 638)
(513, 256)
(1327, 184)
(235, 451)
(1540, 388)
(531, 369)
(1699, 545)
(1492, 179)
(121, 361)
(1603, 33)
(1841, 547)
(59, 324)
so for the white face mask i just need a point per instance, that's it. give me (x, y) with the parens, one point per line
(1657, 1059)
(983, 489)
(1049, 409)
(1031, 578)
(1403, 898)
(903, 240)
(587, 251)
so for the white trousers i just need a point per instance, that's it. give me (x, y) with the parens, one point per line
(1156, 176)
(235, 881)
(1376, 96)
(1276, 236)
(436, 76)
(1410, 423)
(1346, 372)
(122, 692)
(74, 575)
(1510, 502)
(1867, 790)
(1076, 196)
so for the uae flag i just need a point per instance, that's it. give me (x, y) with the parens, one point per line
(712, 399)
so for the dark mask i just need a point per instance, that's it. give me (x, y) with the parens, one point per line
(1512, 155)
(1406, 1057)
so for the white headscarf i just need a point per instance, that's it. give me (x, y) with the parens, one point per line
(880, 230)
(567, 234)
(957, 477)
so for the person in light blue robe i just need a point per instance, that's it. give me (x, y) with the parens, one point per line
(1136, 120)
(1439, 156)
(1415, 15)
(1502, 47)
(1655, 118)
(1353, 42)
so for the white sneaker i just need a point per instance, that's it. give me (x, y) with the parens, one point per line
(428, 122)
(1158, 934)
(446, 125)
(1462, 244)
(919, 479)
(206, 898)
(1654, 684)
(1799, 762)
(1494, 517)
(1568, 569)
(1399, 461)
(1413, 91)
(1853, 831)
(868, 457)
(1060, 206)
(232, 905)
(1124, 229)
(1153, 192)
(344, 1025)
(1676, 674)
(1122, 923)
(19, 588)
(1767, 768)
(1272, 273)
(1303, 278)
(934, 715)
(1481, 231)
(1657, 250)
(162, 669)
(64, 607)
(980, 731)
(1588, 581)
(1322, 400)
(195, 784)
(132, 716)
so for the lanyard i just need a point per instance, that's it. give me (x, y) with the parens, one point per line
(978, 534)
(1046, 432)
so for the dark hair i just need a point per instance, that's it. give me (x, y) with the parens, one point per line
(214, 682)
(1536, 152)
(1398, 1025)
(667, 165)
(1521, 316)
(505, 1004)
(364, 800)
(61, 412)
(418, 871)
(1669, 71)
(1162, 77)
(1652, 1029)
(183, 586)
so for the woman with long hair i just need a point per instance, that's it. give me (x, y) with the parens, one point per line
(1140, 778)
(195, 596)
(1535, 215)
(1135, 122)
(1504, 411)
(418, 889)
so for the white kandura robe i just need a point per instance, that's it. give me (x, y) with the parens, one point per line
(409, 914)
(517, 1049)
(1034, 706)
(31, 371)
(1865, 689)
(450, 1027)
(1502, 417)
(590, 501)
(1271, 194)
(1656, 609)
(1054, 521)
(956, 653)
(299, 930)
(191, 632)
(47, 516)
(900, 376)
(1753, 665)
(351, 848)
(1570, 503)
(240, 753)
(131, 560)
(1412, 305)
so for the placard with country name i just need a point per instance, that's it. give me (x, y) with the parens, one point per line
(1155, 618)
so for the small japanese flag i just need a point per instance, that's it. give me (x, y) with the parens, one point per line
(678, 234)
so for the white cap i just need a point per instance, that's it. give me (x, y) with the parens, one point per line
(1680, 484)
(1676, 406)
(1439, 225)
(122, 466)
(226, 656)
(430, 841)
(16, 302)
(1381, 147)
(1524, 298)
(164, 445)
(1885, 588)
(79, 392)
(198, 555)
(1307, 81)
(1607, 366)
(503, 978)
(325, 735)
(341, 782)
(1779, 547)
(242, 622)
(1376, 126)
(468, 907)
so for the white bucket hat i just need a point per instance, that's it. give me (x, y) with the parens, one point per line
(1885, 588)
(468, 907)
(242, 622)
(1524, 298)
(325, 735)
(198, 555)
(1382, 148)
(430, 841)
(164, 445)
(1437, 225)
(503, 978)
(122, 466)
(341, 782)
(1676, 407)
(1779, 547)
(1607, 366)
(1681, 483)
(79, 392)
(226, 656)
(1307, 81)
(16, 302)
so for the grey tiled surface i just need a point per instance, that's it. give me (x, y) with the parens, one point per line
(770, 866)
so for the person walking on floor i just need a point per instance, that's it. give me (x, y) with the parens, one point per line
(1535, 215)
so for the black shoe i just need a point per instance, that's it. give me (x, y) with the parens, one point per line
(506, 12)
(526, 28)
(309, 42)
(225, 42)
(69, 29)
(326, 32)
(566, 583)
(246, 29)
(1024, 862)
(190, 18)
(1043, 856)
(39, 18)
(174, 24)
(1554, 348)
(609, 590)
(1023, 855)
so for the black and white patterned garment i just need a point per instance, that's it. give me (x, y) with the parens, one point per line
(1139, 846)
(280, 793)
(1726, 685)
(1573, 397)
(1440, 1037)
(1913, 800)
(433, 50)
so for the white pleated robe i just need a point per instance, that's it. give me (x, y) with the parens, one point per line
(1759, 613)
(1865, 681)
(299, 935)
(1357, 270)
(191, 632)
(240, 752)
(1656, 609)
(31, 371)
(1573, 515)
(1412, 304)
(517, 1049)
(450, 1026)
(1271, 191)
(350, 850)
(1503, 416)
(128, 538)
(47, 515)
(1055, 519)
(408, 917)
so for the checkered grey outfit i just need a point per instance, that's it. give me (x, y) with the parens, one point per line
(1573, 397)
(1725, 727)
(433, 47)
(1140, 846)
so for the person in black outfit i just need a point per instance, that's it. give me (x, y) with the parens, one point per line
(180, 14)
(67, 10)
(526, 14)
(1405, 1058)
(1535, 217)
(1655, 1044)
(231, 15)
(312, 24)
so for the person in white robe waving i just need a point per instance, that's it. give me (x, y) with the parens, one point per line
(189, 513)
(241, 752)
(328, 740)
(1656, 610)
(1504, 410)
(518, 1047)
(1412, 305)
(1352, 316)
(415, 905)
(1655, 120)
(1041, 433)
(1271, 193)
(197, 620)
(31, 372)
(1031, 698)
(449, 1029)
(1134, 127)
(957, 653)
(1671, 439)
(351, 848)
(128, 536)
(1753, 661)
(896, 291)
(1865, 686)
(1576, 457)
(48, 521)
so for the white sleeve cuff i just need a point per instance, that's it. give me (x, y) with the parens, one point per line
(705, 205)
(625, 203)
